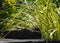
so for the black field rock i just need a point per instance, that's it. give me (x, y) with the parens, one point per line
(22, 34)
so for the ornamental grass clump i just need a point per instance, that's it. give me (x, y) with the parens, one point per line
(44, 14)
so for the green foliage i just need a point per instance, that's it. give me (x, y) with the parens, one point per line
(44, 14)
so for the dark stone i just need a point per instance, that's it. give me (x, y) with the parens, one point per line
(53, 41)
(22, 34)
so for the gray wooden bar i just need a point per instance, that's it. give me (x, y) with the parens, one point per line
(21, 40)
